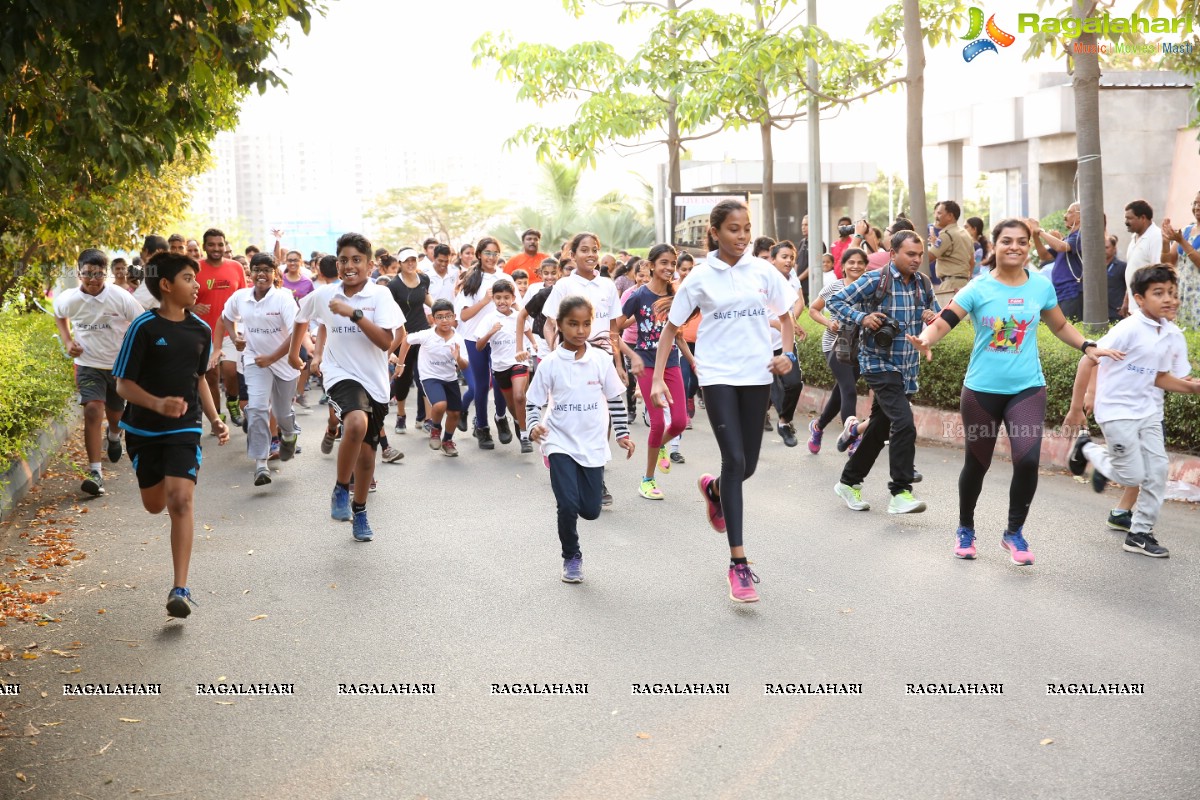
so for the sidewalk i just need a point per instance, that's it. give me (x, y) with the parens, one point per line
(937, 426)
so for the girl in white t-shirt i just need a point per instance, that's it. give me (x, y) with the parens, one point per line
(737, 295)
(582, 380)
(499, 332)
(472, 303)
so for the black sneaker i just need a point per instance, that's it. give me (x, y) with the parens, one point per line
(767, 422)
(1075, 461)
(287, 447)
(605, 497)
(462, 422)
(788, 434)
(1146, 544)
(114, 447)
(526, 446)
(1120, 520)
(401, 425)
(484, 435)
(677, 457)
(93, 484)
(1099, 481)
(917, 476)
(503, 432)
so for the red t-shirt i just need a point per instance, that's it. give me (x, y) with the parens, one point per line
(217, 284)
(531, 264)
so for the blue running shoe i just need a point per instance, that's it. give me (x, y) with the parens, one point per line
(362, 529)
(339, 505)
(177, 602)
(966, 543)
(572, 571)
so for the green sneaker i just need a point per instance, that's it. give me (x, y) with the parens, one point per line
(905, 503)
(853, 496)
(649, 490)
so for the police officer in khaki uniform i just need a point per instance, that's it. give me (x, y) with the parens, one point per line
(953, 250)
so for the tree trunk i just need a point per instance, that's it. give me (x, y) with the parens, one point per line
(1086, 86)
(674, 146)
(915, 79)
(768, 184)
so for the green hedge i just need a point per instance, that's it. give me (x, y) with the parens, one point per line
(941, 379)
(36, 379)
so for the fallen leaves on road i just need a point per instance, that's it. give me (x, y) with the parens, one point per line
(643, 736)
(127, 719)
(1047, 741)
(260, 616)
(21, 777)
(30, 730)
(29, 656)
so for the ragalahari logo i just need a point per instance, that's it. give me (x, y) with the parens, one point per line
(979, 45)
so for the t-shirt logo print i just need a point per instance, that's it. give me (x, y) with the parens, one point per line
(995, 36)
(1007, 334)
(210, 283)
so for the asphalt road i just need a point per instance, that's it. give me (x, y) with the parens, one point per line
(460, 589)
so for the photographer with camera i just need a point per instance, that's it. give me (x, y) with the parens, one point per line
(845, 231)
(887, 304)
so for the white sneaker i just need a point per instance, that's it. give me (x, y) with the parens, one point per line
(853, 497)
(905, 503)
(392, 454)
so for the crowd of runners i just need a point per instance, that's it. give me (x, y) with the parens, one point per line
(555, 351)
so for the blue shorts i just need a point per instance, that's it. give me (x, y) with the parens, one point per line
(447, 392)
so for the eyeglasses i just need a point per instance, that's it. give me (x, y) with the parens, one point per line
(492, 253)
(262, 269)
(91, 276)
(444, 317)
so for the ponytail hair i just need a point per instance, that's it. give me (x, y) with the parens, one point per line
(474, 280)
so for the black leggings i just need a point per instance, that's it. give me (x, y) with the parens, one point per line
(844, 396)
(403, 383)
(736, 416)
(1023, 415)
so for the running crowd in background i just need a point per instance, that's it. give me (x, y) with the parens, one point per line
(564, 346)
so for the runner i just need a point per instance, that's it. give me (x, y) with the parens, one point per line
(410, 290)
(499, 332)
(267, 315)
(534, 307)
(359, 319)
(92, 320)
(786, 388)
(218, 279)
(843, 397)
(645, 312)
(734, 292)
(152, 247)
(1004, 380)
(160, 371)
(442, 353)
(530, 257)
(585, 281)
(443, 276)
(578, 380)
(690, 383)
(472, 305)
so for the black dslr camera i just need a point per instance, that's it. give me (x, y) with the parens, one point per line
(887, 333)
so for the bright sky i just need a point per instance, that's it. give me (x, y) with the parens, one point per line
(380, 65)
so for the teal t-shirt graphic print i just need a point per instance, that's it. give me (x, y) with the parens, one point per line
(1004, 359)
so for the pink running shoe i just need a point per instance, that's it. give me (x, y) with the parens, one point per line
(741, 584)
(814, 437)
(716, 517)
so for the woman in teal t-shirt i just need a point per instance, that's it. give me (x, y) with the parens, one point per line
(1004, 381)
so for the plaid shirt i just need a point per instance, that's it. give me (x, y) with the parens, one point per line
(904, 303)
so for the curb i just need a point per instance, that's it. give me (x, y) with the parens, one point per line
(937, 426)
(23, 474)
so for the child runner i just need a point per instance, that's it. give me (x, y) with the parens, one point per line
(533, 307)
(785, 396)
(410, 290)
(359, 318)
(219, 277)
(442, 354)
(735, 292)
(1004, 380)
(160, 371)
(92, 320)
(640, 275)
(645, 312)
(578, 379)
(1128, 405)
(690, 384)
(499, 331)
(472, 304)
(844, 397)
(267, 315)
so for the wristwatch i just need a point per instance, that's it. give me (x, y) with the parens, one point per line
(1083, 348)
(356, 314)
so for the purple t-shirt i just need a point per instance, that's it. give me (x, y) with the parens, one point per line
(299, 288)
(1068, 269)
(649, 326)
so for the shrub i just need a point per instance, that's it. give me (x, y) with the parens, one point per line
(36, 378)
(941, 380)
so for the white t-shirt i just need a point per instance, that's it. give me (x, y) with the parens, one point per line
(1125, 389)
(265, 325)
(602, 292)
(577, 420)
(143, 296)
(505, 341)
(736, 304)
(777, 333)
(442, 288)
(1177, 362)
(1142, 251)
(349, 354)
(471, 329)
(436, 358)
(98, 322)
